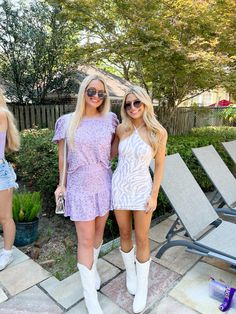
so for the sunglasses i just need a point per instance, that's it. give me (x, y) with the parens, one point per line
(136, 104)
(92, 92)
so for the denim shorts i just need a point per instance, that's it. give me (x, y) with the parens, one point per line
(7, 176)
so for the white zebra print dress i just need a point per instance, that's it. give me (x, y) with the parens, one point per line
(131, 181)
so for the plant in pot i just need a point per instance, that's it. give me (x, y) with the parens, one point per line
(26, 208)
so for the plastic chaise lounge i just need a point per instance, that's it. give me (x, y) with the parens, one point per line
(208, 234)
(231, 149)
(220, 176)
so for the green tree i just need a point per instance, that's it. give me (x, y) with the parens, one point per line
(226, 21)
(172, 48)
(35, 48)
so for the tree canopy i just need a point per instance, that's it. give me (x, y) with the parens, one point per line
(175, 49)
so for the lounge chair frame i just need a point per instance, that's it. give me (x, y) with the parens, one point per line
(196, 214)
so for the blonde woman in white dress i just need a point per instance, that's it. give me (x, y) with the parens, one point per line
(139, 139)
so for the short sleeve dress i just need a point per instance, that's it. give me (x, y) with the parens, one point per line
(88, 190)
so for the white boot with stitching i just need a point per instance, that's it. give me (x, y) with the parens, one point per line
(90, 292)
(131, 277)
(140, 298)
(95, 259)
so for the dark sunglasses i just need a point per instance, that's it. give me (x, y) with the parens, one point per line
(92, 92)
(136, 104)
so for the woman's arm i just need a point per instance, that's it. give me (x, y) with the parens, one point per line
(3, 121)
(61, 161)
(158, 173)
(61, 185)
(114, 146)
(115, 142)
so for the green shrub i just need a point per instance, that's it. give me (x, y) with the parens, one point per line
(111, 228)
(202, 137)
(26, 206)
(229, 114)
(37, 164)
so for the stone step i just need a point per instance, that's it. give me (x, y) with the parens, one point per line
(30, 301)
(22, 276)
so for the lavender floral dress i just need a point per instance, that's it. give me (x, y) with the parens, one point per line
(88, 190)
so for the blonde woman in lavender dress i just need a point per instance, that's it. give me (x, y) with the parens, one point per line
(141, 138)
(88, 132)
(10, 141)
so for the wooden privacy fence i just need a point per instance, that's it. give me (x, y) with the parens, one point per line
(180, 122)
(183, 119)
(42, 116)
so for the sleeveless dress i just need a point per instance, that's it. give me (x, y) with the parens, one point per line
(88, 190)
(131, 181)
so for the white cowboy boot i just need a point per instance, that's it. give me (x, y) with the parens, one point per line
(131, 277)
(95, 259)
(140, 298)
(89, 290)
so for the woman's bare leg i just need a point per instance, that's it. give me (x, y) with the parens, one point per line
(124, 221)
(6, 219)
(142, 221)
(100, 223)
(85, 234)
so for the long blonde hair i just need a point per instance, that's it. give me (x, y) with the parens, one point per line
(155, 130)
(12, 136)
(77, 116)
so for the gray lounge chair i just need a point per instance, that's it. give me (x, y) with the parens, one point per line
(220, 175)
(231, 149)
(208, 234)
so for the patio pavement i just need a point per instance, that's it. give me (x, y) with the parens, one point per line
(178, 283)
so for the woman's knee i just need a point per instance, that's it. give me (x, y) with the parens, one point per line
(86, 242)
(6, 220)
(142, 241)
(125, 234)
(99, 228)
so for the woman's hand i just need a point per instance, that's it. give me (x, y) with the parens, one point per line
(151, 204)
(60, 190)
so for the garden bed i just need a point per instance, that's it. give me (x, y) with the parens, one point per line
(56, 248)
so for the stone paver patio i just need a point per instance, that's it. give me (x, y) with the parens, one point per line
(178, 283)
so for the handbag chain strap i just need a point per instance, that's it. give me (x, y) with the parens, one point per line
(62, 183)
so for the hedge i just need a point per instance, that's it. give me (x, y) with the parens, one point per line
(37, 165)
